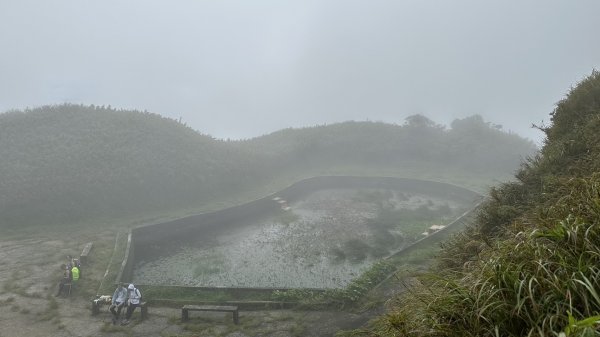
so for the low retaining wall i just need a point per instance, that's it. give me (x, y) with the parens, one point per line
(126, 269)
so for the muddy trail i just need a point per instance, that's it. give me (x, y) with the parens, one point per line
(30, 270)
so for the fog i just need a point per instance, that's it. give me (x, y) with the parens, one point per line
(239, 69)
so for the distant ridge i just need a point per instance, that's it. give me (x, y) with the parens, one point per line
(71, 163)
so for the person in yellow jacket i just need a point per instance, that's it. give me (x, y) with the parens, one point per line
(75, 274)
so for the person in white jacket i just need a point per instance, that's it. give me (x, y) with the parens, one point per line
(134, 297)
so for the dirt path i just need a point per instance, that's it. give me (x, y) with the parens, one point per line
(29, 271)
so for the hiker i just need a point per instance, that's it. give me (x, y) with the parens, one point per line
(69, 262)
(74, 275)
(134, 297)
(77, 263)
(66, 279)
(119, 299)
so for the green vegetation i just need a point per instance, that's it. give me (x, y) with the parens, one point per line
(531, 264)
(411, 221)
(390, 229)
(178, 295)
(209, 265)
(71, 164)
(338, 297)
(175, 295)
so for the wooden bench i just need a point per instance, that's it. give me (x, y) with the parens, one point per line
(85, 252)
(223, 308)
(106, 300)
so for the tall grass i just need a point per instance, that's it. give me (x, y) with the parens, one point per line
(531, 265)
(541, 279)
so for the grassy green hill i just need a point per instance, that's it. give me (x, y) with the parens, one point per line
(471, 144)
(531, 264)
(67, 164)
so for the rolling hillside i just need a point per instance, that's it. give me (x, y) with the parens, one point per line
(530, 266)
(71, 163)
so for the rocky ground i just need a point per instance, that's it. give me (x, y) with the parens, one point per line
(30, 270)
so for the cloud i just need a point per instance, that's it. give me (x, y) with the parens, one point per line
(240, 69)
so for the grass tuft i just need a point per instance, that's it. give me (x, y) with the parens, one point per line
(539, 278)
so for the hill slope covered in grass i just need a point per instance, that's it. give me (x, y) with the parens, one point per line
(471, 144)
(71, 163)
(531, 265)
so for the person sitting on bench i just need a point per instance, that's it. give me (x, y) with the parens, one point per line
(134, 299)
(119, 299)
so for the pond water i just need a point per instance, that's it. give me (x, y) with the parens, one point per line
(322, 241)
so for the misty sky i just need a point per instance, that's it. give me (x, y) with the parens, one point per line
(239, 68)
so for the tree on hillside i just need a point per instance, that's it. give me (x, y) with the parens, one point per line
(420, 121)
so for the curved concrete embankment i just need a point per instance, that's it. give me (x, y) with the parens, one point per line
(188, 228)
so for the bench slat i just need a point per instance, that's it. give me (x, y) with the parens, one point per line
(87, 248)
(85, 252)
(210, 307)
